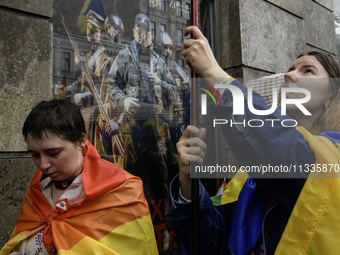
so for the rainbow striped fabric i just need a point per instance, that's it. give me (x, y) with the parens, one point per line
(112, 218)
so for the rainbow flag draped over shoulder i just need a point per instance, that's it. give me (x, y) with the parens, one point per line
(112, 217)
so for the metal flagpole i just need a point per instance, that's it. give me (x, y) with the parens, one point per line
(195, 234)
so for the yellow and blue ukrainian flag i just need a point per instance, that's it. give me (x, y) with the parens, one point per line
(314, 225)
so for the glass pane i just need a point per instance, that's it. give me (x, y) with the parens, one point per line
(66, 61)
(139, 82)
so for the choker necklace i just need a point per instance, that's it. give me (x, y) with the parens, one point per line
(62, 185)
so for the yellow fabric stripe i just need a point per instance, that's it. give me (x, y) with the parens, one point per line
(314, 225)
(138, 233)
(87, 245)
(13, 242)
(233, 188)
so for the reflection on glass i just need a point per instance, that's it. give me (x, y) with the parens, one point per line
(134, 96)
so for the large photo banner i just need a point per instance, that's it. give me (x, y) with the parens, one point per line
(121, 63)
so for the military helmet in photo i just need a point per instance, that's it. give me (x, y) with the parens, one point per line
(114, 21)
(142, 19)
(163, 38)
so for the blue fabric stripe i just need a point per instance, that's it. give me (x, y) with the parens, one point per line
(247, 223)
(333, 136)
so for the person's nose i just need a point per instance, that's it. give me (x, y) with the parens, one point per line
(44, 163)
(290, 77)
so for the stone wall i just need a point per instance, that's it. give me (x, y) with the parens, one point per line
(25, 79)
(263, 37)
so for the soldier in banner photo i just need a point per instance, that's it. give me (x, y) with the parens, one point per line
(99, 129)
(86, 98)
(175, 108)
(167, 51)
(140, 84)
(107, 128)
(114, 27)
(81, 91)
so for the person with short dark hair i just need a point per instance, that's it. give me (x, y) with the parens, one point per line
(77, 202)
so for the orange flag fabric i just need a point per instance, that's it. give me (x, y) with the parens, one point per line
(112, 217)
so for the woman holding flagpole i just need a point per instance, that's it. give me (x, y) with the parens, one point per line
(292, 213)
